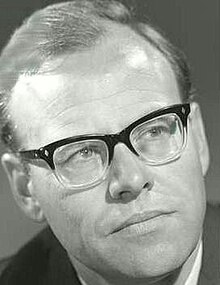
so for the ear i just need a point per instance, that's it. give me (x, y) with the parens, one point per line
(199, 136)
(22, 187)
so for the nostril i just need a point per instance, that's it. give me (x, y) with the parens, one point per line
(148, 185)
(127, 196)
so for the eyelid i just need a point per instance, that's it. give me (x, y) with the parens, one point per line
(157, 123)
(61, 161)
(160, 121)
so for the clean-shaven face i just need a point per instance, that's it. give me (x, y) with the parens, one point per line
(103, 90)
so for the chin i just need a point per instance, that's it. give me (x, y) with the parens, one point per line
(152, 262)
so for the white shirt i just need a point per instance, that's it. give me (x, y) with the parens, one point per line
(194, 274)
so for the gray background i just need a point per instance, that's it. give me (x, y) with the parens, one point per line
(193, 25)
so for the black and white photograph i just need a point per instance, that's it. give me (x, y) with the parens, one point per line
(109, 142)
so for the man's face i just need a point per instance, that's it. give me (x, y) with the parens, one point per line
(103, 90)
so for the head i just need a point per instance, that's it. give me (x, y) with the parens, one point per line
(88, 68)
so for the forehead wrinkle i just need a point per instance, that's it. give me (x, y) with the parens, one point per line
(122, 92)
(126, 54)
(60, 95)
(86, 102)
(26, 88)
(76, 104)
(60, 128)
(150, 107)
(109, 126)
(124, 69)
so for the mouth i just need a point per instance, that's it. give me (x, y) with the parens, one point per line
(141, 222)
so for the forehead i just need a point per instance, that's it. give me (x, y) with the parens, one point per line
(99, 90)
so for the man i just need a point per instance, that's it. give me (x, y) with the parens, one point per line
(108, 147)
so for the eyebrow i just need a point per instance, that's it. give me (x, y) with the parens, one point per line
(57, 136)
(147, 115)
(46, 152)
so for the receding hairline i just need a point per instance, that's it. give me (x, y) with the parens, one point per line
(111, 33)
(121, 17)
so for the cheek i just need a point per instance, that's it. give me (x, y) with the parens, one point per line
(190, 175)
(72, 217)
(183, 183)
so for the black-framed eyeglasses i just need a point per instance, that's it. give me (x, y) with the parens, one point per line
(81, 162)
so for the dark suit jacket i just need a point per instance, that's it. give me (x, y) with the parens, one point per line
(43, 261)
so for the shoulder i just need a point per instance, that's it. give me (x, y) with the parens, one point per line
(41, 261)
(211, 245)
(211, 228)
(31, 255)
(212, 217)
(4, 262)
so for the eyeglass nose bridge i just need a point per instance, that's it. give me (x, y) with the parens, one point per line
(122, 137)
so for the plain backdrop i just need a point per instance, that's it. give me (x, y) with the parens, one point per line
(192, 25)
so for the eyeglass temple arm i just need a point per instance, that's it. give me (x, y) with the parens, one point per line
(32, 156)
(29, 154)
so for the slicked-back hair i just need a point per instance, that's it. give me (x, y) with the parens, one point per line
(69, 27)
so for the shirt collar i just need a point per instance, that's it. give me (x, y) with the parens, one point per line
(194, 274)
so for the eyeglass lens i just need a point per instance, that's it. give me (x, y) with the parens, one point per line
(159, 139)
(84, 162)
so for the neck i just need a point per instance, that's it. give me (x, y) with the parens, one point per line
(177, 277)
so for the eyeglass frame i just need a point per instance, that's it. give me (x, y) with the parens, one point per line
(47, 152)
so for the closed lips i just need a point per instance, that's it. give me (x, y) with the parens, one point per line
(139, 218)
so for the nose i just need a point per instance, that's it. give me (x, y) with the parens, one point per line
(129, 175)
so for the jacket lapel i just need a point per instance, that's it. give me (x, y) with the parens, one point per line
(210, 271)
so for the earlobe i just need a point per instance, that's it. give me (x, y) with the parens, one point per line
(200, 136)
(22, 187)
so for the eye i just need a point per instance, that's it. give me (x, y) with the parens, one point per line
(82, 155)
(76, 154)
(153, 133)
(85, 153)
(157, 131)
